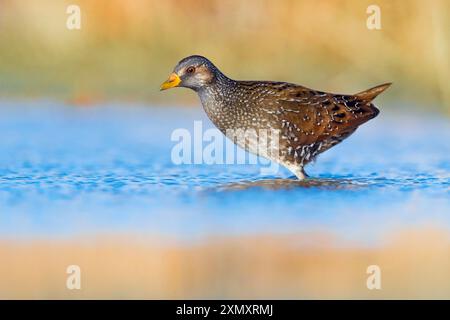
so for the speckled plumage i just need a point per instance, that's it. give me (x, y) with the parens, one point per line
(309, 121)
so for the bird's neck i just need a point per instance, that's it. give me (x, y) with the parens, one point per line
(218, 93)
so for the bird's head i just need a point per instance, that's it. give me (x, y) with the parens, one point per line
(194, 72)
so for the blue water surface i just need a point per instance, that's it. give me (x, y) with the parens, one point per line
(70, 171)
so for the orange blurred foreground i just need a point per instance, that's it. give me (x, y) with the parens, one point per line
(414, 264)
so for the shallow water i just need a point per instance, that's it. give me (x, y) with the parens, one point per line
(69, 171)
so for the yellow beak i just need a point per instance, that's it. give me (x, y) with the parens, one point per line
(173, 81)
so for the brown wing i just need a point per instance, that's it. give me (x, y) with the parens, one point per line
(322, 120)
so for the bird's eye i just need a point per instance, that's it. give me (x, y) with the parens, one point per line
(190, 69)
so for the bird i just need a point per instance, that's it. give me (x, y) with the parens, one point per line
(307, 122)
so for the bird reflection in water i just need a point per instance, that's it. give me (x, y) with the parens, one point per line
(291, 184)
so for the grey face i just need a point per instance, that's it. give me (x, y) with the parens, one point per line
(195, 72)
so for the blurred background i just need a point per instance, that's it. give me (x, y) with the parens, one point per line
(125, 49)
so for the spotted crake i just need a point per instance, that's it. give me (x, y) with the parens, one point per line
(308, 122)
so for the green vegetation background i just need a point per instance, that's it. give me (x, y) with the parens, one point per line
(125, 49)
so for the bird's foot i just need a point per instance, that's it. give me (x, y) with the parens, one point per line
(298, 171)
(301, 174)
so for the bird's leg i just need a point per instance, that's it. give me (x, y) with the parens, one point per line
(298, 171)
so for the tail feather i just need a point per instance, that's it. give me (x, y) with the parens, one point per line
(372, 93)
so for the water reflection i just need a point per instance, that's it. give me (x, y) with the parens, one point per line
(341, 183)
